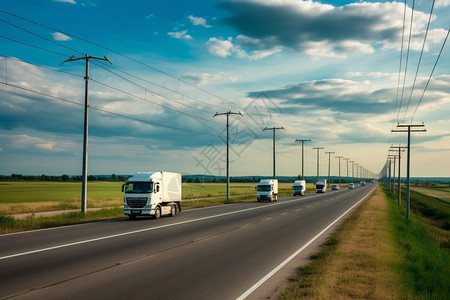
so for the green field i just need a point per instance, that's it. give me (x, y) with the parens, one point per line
(20, 197)
(17, 197)
(377, 254)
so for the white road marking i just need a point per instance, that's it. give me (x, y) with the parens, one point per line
(141, 230)
(287, 260)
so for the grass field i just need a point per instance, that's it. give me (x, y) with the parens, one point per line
(18, 197)
(376, 254)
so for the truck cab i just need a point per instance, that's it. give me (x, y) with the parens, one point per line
(152, 194)
(321, 186)
(299, 187)
(267, 189)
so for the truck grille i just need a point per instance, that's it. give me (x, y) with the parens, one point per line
(136, 202)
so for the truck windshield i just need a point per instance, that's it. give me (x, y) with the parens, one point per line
(139, 187)
(264, 188)
(298, 187)
(319, 186)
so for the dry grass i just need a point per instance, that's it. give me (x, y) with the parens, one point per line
(443, 194)
(357, 263)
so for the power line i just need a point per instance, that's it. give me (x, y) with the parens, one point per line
(420, 59)
(407, 57)
(108, 49)
(119, 90)
(401, 58)
(34, 46)
(40, 36)
(108, 112)
(429, 78)
(162, 105)
(163, 87)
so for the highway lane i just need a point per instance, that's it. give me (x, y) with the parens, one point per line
(218, 252)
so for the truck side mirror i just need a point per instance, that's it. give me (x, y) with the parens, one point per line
(255, 187)
(123, 187)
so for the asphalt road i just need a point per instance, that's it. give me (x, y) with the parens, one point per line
(224, 252)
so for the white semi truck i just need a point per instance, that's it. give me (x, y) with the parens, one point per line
(152, 194)
(299, 187)
(267, 189)
(321, 186)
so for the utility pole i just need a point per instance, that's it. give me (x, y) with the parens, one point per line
(318, 149)
(353, 169)
(273, 130)
(303, 164)
(85, 133)
(399, 164)
(339, 167)
(408, 159)
(393, 176)
(329, 166)
(228, 113)
(347, 159)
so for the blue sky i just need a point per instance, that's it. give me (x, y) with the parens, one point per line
(326, 71)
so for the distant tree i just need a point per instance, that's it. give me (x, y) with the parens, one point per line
(91, 178)
(197, 180)
(65, 177)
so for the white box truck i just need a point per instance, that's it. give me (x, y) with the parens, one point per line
(321, 186)
(299, 187)
(152, 194)
(267, 189)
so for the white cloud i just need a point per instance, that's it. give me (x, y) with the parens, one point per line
(225, 48)
(219, 47)
(66, 1)
(58, 36)
(442, 3)
(198, 21)
(321, 30)
(180, 35)
(202, 79)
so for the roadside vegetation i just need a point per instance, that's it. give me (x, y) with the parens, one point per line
(33, 197)
(377, 254)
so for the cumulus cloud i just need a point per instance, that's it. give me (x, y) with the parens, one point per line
(58, 36)
(66, 1)
(220, 47)
(202, 79)
(319, 30)
(225, 48)
(442, 3)
(198, 21)
(180, 35)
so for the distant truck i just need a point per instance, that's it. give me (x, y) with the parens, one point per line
(299, 187)
(267, 189)
(321, 186)
(152, 194)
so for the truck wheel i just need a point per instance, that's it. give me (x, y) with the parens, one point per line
(173, 210)
(157, 212)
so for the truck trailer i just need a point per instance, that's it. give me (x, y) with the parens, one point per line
(321, 186)
(152, 194)
(267, 189)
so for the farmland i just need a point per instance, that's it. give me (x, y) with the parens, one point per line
(18, 197)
